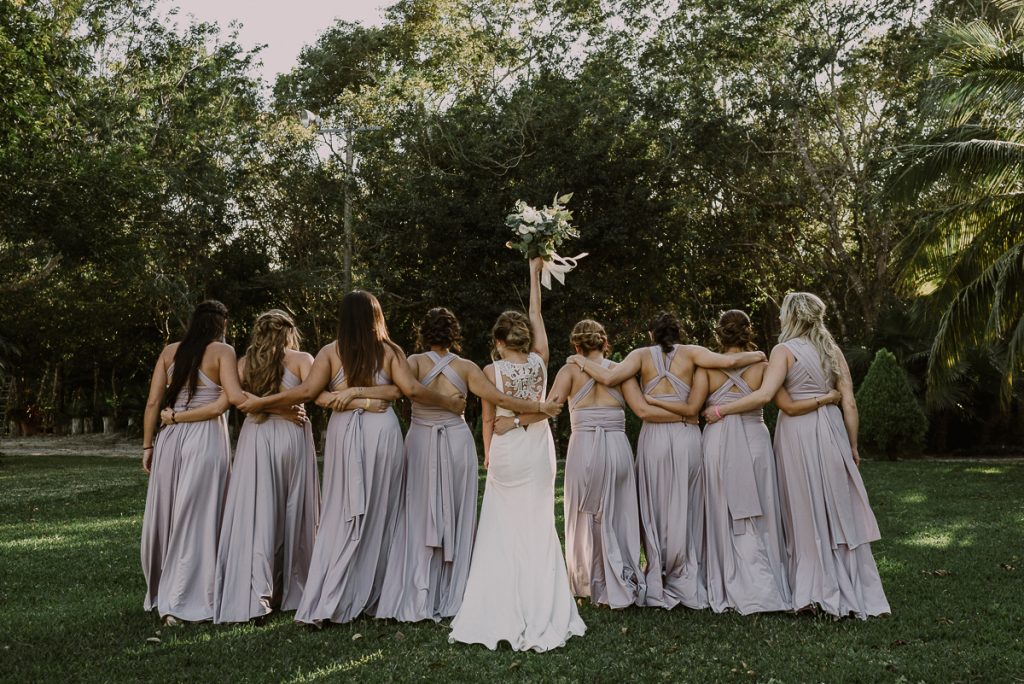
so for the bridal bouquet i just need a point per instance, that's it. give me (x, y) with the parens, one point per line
(538, 232)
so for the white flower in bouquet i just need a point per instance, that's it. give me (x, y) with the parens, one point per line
(539, 232)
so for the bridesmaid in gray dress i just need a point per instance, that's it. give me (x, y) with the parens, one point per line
(670, 470)
(828, 523)
(273, 499)
(602, 520)
(363, 460)
(188, 466)
(746, 556)
(433, 544)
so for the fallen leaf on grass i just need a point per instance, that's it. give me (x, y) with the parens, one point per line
(513, 666)
(399, 636)
(897, 642)
(1007, 566)
(625, 629)
(938, 573)
(944, 621)
(357, 635)
(671, 649)
(153, 640)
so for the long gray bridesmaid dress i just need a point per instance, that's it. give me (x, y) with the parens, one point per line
(270, 518)
(827, 519)
(361, 491)
(670, 476)
(602, 521)
(184, 503)
(433, 544)
(746, 557)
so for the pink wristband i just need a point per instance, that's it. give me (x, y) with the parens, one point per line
(718, 412)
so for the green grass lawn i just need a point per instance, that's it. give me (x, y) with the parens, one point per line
(951, 557)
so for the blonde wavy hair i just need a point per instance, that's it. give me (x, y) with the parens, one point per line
(589, 335)
(273, 333)
(803, 315)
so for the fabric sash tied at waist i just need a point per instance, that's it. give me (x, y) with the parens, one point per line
(354, 506)
(440, 518)
(740, 481)
(844, 525)
(600, 421)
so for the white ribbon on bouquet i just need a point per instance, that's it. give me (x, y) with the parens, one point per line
(558, 266)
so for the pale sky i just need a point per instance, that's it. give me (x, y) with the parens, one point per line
(284, 26)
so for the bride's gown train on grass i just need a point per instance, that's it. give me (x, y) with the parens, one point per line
(518, 590)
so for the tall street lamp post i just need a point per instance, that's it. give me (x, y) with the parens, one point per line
(309, 119)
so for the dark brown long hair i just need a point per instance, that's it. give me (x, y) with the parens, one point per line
(208, 324)
(362, 334)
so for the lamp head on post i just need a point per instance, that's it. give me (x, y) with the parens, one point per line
(308, 118)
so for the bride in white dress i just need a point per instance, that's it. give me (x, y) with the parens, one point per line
(518, 589)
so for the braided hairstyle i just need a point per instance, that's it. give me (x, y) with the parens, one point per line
(588, 336)
(665, 330)
(735, 330)
(803, 315)
(273, 333)
(512, 328)
(209, 323)
(440, 327)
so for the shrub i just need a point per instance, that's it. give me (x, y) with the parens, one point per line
(891, 419)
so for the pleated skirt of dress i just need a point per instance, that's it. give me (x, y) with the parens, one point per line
(270, 520)
(363, 463)
(670, 478)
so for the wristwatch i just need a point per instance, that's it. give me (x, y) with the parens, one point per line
(517, 422)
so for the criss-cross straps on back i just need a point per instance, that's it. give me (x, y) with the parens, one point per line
(735, 379)
(662, 363)
(589, 385)
(443, 366)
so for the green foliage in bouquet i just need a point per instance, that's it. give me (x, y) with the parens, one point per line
(539, 232)
(891, 419)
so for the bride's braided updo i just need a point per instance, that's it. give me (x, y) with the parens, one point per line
(588, 336)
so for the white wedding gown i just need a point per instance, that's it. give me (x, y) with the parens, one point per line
(518, 589)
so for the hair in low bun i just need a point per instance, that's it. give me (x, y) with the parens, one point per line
(735, 330)
(513, 329)
(666, 330)
(440, 327)
(588, 336)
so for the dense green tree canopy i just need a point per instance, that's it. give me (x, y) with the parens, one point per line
(721, 154)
